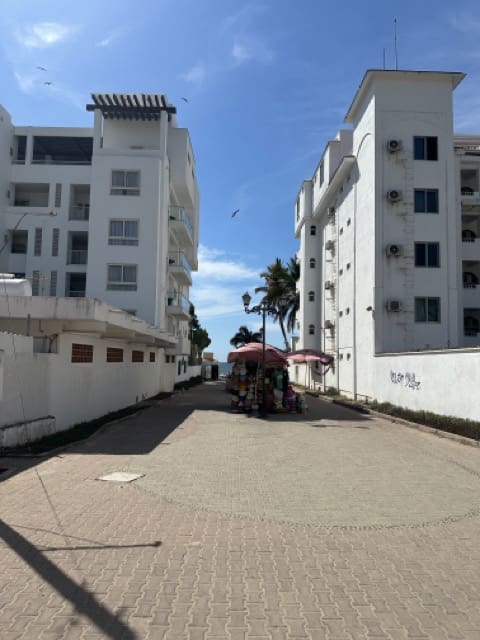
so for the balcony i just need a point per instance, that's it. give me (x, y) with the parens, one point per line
(471, 327)
(77, 256)
(178, 305)
(29, 195)
(180, 225)
(470, 201)
(180, 268)
(79, 212)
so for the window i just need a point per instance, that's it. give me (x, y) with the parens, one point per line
(114, 354)
(122, 277)
(55, 238)
(312, 263)
(322, 173)
(82, 353)
(125, 183)
(35, 283)
(58, 194)
(53, 283)
(137, 356)
(311, 329)
(37, 245)
(311, 296)
(426, 200)
(425, 148)
(152, 356)
(123, 232)
(427, 254)
(427, 309)
(19, 241)
(313, 230)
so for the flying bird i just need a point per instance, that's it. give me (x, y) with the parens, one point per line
(184, 99)
(42, 68)
(48, 83)
(235, 212)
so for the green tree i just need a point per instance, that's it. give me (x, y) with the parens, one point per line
(199, 337)
(280, 291)
(244, 336)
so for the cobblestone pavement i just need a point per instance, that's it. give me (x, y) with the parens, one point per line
(330, 525)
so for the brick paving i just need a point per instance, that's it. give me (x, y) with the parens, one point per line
(330, 525)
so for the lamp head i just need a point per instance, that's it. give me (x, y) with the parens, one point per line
(246, 298)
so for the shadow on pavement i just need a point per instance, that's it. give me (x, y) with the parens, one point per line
(84, 602)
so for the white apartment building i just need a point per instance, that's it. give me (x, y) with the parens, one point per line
(389, 229)
(109, 212)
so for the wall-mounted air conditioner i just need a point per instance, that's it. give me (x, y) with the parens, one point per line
(394, 145)
(394, 195)
(328, 284)
(393, 250)
(393, 306)
(330, 245)
(329, 324)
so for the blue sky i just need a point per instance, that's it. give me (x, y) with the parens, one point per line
(268, 84)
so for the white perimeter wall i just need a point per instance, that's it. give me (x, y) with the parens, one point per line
(35, 385)
(444, 382)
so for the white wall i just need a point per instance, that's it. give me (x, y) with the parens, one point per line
(444, 382)
(36, 385)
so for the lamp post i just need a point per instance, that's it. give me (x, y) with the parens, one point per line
(263, 309)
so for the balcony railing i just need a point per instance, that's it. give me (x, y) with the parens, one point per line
(179, 260)
(77, 256)
(179, 214)
(79, 212)
(178, 300)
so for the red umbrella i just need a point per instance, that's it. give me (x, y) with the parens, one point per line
(253, 352)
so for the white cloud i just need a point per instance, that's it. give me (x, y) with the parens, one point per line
(246, 48)
(195, 75)
(213, 264)
(44, 34)
(110, 38)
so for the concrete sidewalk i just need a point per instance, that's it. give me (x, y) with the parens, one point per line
(327, 525)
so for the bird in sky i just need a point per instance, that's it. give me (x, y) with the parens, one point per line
(184, 99)
(42, 68)
(48, 83)
(235, 212)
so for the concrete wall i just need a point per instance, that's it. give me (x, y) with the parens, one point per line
(444, 382)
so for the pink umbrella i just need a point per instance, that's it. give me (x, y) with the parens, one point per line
(305, 356)
(253, 352)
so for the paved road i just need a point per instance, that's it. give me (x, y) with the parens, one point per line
(330, 525)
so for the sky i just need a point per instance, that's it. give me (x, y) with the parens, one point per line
(268, 83)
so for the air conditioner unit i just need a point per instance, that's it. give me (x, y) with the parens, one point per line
(394, 195)
(394, 145)
(394, 306)
(328, 284)
(393, 250)
(331, 211)
(329, 324)
(330, 245)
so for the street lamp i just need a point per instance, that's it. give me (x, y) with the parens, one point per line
(263, 309)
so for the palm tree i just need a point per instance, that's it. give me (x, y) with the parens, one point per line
(280, 291)
(244, 336)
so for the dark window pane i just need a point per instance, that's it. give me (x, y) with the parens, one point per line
(432, 148)
(419, 148)
(420, 310)
(433, 309)
(420, 254)
(432, 201)
(419, 201)
(433, 254)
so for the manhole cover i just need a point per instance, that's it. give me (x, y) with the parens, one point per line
(121, 476)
